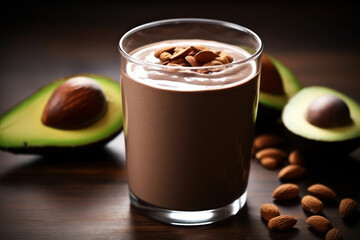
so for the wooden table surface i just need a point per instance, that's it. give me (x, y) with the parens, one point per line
(86, 196)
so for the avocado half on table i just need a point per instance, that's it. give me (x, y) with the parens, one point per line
(73, 113)
(277, 85)
(321, 120)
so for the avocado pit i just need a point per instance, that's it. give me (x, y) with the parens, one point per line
(328, 111)
(77, 103)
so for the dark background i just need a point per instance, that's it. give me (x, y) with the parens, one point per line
(86, 196)
(43, 41)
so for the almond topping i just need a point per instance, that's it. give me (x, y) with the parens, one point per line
(165, 49)
(181, 54)
(205, 56)
(193, 56)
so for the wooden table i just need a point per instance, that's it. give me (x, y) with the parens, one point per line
(86, 196)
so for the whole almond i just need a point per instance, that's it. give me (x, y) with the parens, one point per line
(165, 49)
(296, 157)
(197, 49)
(281, 223)
(165, 56)
(321, 191)
(205, 56)
(319, 223)
(269, 211)
(192, 61)
(271, 152)
(267, 141)
(347, 207)
(286, 191)
(269, 162)
(181, 53)
(291, 172)
(224, 58)
(334, 234)
(312, 204)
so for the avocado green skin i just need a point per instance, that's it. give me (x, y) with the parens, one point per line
(270, 106)
(46, 149)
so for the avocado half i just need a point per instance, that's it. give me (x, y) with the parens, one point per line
(271, 105)
(321, 140)
(22, 131)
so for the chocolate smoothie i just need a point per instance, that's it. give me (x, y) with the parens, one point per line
(188, 135)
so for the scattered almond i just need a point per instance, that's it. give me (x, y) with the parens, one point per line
(271, 152)
(312, 204)
(334, 234)
(321, 191)
(281, 223)
(319, 223)
(269, 211)
(266, 141)
(296, 157)
(269, 162)
(286, 191)
(291, 172)
(347, 207)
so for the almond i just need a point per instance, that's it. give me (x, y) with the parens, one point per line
(205, 56)
(269, 211)
(271, 152)
(319, 223)
(296, 157)
(161, 50)
(267, 141)
(181, 53)
(291, 172)
(224, 58)
(269, 162)
(334, 234)
(192, 61)
(321, 191)
(286, 191)
(197, 49)
(312, 204)
(281, 223)
(165, 56)
(347, 207)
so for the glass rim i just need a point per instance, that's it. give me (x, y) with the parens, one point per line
(238, 27)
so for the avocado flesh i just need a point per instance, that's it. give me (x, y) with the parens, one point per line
(21, 129)
(290, 83)
(294, 117)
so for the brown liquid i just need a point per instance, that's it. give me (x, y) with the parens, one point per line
(188, 150)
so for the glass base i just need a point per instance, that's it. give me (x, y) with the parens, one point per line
(189, 218)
